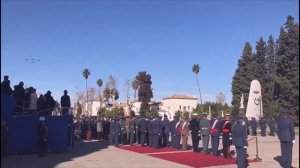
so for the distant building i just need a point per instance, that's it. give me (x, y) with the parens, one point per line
(168, 106)
(171, 104)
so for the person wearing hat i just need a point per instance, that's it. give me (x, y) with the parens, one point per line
(239, 140)
(172, 131)
(263, 126)
(117, 131)
(226, 136)
(286, 135)
(184, 131)
(196, 136)
(65, 103)
(205, 132)
(5, 86)
(177, 133)
(137, 129)
(42, 131)
(215, 127)
(166, 131)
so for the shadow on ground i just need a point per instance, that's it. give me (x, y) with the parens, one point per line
(53, 159)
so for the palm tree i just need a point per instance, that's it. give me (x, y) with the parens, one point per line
(100, 83)
(86, 73)
(135, 87)
(196, 70)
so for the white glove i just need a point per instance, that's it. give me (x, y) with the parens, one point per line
(293, 141)
(245, 147)
(230, 138)
(220, 137)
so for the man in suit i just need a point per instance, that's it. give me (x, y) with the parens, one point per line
(143, 130)
(194, 127)
(132, 130)
(239, 140)
(172, 130)
(286, 135)
(205, 132)
(166, 131)
(215, 126)
(42, 132)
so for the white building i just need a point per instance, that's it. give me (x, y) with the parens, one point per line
(168, 106)
(171, 104)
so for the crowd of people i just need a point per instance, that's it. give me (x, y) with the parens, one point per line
(28, 102)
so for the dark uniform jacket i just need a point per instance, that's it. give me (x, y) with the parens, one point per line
(194, 126)
(239, 135)
(166, 126)
(143, 125)
(286, 130)
(226, 132)
(215, 127)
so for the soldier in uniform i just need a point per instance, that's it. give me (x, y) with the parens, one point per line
(263, 126)
(177, 134)
(156, 132)
(151, 134)
(272, 125)
(239, 140)
(166, 131)
(172, 130)
(184, 125)
(122, 131)
(117, 131)
(286, 135)
(215, 125)
(42, 131)
(112, 131)
(226, 136)
(127, 130)
(204, 125)
(253, 124)
(194, 127)
(132, 130)
(137, 130)
(143, 130)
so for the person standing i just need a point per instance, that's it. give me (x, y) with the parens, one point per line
(122, 131)
(65, 103)
(205, 132)
(99, 129)
(263, 126)
(172, 130)
(177, 134)
(286, 135)
(5, 86)
(156, 132)
(215, 133)
(117, 131)
(226, 136)
(272, 125)
(33, 101)
(239, 140)
(166, 131)
(150, 130)
(253, 124)
(42, 131)
(184, 125)
(143, 130)
(194, 127)
(137, 129)
(132, 130)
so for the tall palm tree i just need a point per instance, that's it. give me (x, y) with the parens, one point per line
(86, 73)
(135, 87)
(196, 70)
(100, 83)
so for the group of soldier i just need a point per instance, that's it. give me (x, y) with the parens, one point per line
(262, 124)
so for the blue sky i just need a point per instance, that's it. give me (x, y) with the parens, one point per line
(121, 38)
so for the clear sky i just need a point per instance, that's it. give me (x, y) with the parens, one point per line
(120, 38)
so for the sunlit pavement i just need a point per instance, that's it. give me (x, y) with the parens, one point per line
(98, 154)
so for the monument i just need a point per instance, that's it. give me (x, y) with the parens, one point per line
(242, 108)
(254, 106)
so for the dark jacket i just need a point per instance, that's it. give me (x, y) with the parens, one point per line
(286, 131)
(239, 135)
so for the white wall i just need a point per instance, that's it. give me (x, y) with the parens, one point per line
(173, 105)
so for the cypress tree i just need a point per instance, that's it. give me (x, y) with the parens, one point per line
(144, 91)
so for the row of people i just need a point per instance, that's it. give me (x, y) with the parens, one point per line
(29, 102)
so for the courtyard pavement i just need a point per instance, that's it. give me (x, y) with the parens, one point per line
(98, 154)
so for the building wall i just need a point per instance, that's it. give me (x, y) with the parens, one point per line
(170, 106)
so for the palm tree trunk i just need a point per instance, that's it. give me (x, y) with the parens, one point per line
(199, 93)
(86, 96)
(100, 101)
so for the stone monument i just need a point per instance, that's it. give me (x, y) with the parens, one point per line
(254, 106)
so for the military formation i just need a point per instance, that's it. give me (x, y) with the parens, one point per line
(157, 133)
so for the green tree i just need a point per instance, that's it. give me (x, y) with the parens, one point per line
(242, 78)
(144, 91)
(100, 83)
(196, 70)
(287, 66)
(86, 73)
(101, 112)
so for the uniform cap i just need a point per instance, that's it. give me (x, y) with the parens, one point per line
(195, 114)
(227, 114)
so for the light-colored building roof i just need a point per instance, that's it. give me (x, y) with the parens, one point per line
(180, 97)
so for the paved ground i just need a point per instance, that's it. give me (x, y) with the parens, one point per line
(98, 154)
